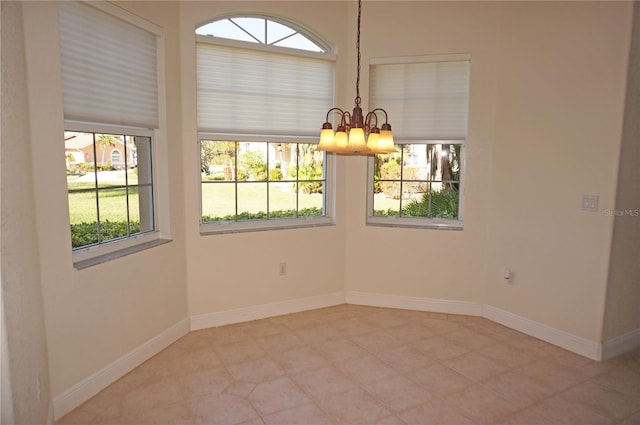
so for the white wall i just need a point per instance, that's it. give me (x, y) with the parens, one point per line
(97, 315)
(546, 105)
(560, 99)
(233, 271)
(24, 349)
(431, 264)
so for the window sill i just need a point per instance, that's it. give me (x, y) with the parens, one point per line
(79, 265)
(222, 227)
(415, 223)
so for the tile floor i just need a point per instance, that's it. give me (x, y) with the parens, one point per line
(362, 365)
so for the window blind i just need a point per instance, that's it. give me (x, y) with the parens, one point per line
(426, 100)
(109, 68)
(246, 91)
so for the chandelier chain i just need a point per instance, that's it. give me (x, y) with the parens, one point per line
(358, 50)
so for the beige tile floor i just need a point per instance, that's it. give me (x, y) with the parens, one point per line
(362, 365)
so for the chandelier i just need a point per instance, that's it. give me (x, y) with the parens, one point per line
(354, 127)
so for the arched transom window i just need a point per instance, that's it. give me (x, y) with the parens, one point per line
(262, 30)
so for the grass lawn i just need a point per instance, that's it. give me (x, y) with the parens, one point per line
(113, 202)
(218, 199)
(113, 206)
(382, 203)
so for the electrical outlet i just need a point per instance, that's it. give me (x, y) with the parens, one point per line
(282, 269)
(508, 276)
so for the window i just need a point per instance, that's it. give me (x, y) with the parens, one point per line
(422, 184)
(106, 204)
(261, 181)
(112, 126)
(262, 30)
(116, 157)
(259, 99)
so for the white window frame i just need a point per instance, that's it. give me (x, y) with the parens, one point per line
(95, 254)
(419, 222)
(220, 227)
(328, 219)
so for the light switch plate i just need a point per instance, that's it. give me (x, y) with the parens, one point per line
(590, 202)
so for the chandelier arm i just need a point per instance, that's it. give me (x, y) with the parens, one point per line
(346, 120)
(386, 117)
(368, 119)
(332, 110)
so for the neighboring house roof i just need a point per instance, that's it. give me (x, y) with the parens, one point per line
(78, 141)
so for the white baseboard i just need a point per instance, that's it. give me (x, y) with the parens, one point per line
(50, 415)
(468, 308)
(87, 388)
(620, 344)
(203, 321)
(576, 344)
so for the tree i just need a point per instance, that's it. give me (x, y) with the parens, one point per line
(443, 201)
(207, 153)
(215, 153)
(105, 140)
(253, 165)
(445, 164)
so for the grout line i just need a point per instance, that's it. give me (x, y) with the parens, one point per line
(258, 333)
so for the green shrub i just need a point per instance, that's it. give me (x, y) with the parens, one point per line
(444, 204)
(242, 174)
(275, 174)
(387, 213)
(261, 215)
(212, 177)
(308, 171)
(80, 168)
(252, 165)
(83, 234)
(106, 167)
(390, 170)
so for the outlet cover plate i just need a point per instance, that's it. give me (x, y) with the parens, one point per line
(590, 202)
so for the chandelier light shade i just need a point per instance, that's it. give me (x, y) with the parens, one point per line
(356, 133)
